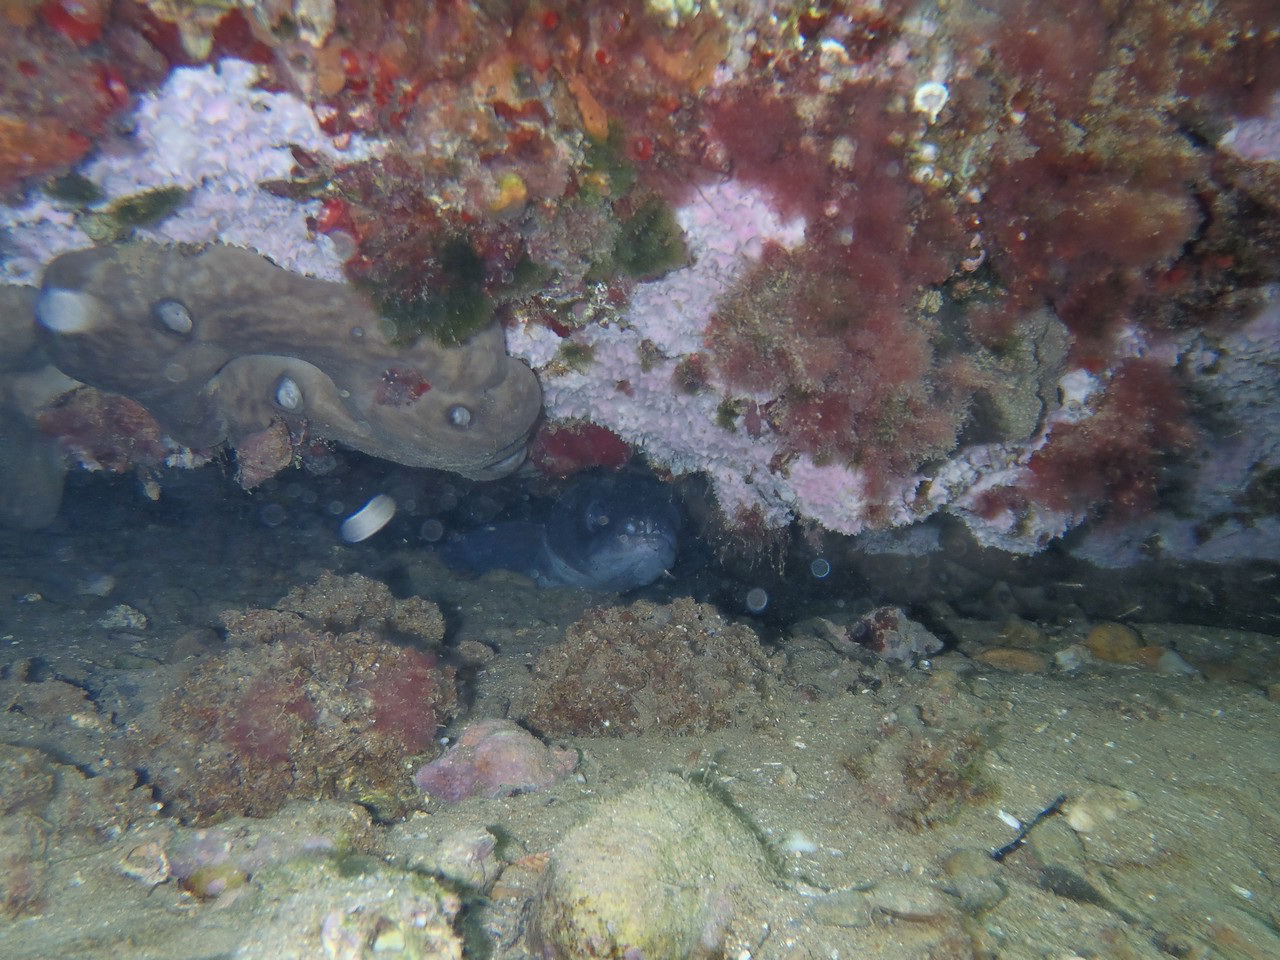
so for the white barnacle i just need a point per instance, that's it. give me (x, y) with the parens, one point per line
(288, 394)
(930, 98)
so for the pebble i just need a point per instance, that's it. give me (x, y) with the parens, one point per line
(97, 585)
(468, 857)
(123, 617)
(914, 901)
(1171, 663)
(1016, 632)
(842, 908)
(1013, 659)
(1098, 806)
(1114, 642)
(147, 863)
(972, 877)
(1071, 658)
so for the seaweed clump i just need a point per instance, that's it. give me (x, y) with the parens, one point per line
(923, 779)
(322, 697)
(678, 668)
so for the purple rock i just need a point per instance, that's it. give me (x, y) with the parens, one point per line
(494, 758)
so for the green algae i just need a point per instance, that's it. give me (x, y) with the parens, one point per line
(122, 216)
(610, 174)
(727, 414)
(450, 314)
(650, 242)
(75, 189)
(574, 356)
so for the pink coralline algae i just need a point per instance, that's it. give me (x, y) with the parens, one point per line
(494, 758)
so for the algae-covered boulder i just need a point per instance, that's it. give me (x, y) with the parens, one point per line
(663, 872)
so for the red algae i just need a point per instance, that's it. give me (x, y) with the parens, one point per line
(563, 449)
(1115, 460)
(110, 431)
(494, 758)
(400, 692)
(1084, 196)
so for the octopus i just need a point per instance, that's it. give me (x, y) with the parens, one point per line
(222, 347)
(218, 343)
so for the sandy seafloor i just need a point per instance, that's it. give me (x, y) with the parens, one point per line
(1168, 843)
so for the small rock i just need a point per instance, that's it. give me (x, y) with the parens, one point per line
(1055, 844)
(891, 635)
(913, 900)
(1022, 634)
(1072, 658)
(1169, 662)
(494, 758)
(123, 617)
(1114, 642)
(842, 908)
(475, 653)
(466, 856)
(661, 871)
(972, 877)
(146, 862)
(1013, 660)
(1097, 806)
(97, 585)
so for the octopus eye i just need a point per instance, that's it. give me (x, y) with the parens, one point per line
(173, 315)
(459, 416)
(288, 393)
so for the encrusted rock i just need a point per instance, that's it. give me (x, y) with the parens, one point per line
(886, 632)
(661, 871)
(494, 758)
(622, 671)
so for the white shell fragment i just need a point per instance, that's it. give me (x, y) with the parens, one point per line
(369, 519)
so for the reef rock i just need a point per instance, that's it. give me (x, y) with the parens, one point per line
(494, 758)
(886, 632)
(679, 668)
(666, 871)
(219, 344)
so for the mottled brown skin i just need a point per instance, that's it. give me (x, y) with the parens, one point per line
(468, 409)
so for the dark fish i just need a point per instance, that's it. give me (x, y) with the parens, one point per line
(606, 532)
